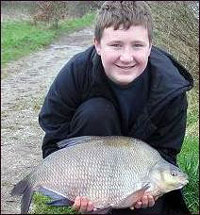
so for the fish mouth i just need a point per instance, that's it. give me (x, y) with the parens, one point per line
(186, 181)
(183, 182)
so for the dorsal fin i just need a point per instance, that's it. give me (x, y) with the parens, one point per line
(74, 141)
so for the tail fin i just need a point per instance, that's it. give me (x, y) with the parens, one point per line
(19, 188)
(26, 199)
(24, 188)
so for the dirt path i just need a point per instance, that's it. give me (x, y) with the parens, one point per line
(22, 93)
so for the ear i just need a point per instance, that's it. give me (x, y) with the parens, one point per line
(97, 46)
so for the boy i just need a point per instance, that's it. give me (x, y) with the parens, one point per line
(121, 86)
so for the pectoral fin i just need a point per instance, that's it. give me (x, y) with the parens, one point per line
(52, 194)
(59, 199)
(61, 202)
(133, 197)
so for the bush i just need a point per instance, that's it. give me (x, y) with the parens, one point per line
(176, 30)
(49, 12)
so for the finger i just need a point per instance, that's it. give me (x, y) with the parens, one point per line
(77, 203)
(84, 204)
(151, 201)
(90, 206)
(138, 205)
(144, 202)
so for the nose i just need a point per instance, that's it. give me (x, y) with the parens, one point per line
(126, 56)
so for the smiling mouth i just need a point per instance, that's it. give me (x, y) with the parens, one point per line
(125, 67)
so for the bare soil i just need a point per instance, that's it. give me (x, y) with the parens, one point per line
(22, 92)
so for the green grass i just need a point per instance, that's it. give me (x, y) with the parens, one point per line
(188, 159)
(77, 23)
(40, 206)
(20, 38)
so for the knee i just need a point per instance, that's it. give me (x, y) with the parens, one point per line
(96, 116)
(97, 109)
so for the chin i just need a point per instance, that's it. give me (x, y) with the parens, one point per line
(125, 81)
(122, 83)
(121, 80)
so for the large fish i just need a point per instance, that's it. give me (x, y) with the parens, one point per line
(113, 172)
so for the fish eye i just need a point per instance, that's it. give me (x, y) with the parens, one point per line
(174, 173)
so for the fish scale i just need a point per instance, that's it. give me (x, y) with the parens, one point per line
(110, 171)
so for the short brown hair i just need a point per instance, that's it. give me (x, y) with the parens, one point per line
(125, 13)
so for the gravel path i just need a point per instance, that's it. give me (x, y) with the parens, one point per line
(22, 92)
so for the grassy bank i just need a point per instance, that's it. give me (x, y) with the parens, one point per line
(188, 159)
(20, 38)
(189, 162)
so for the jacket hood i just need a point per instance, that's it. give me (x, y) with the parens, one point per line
(168, 78)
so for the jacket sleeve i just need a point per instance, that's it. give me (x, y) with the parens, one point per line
(170, 132)
(59, 106)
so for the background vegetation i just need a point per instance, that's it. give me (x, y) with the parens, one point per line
(29, 26)
(176, 29)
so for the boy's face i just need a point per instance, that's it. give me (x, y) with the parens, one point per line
(124, 53)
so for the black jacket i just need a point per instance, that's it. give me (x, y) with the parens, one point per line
(161, 124)
(162, 121)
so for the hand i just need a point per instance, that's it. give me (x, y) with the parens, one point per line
(146, 201)
(83, 205)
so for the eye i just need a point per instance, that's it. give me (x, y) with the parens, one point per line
(138, 45)
(174, 173)
(116, 45)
